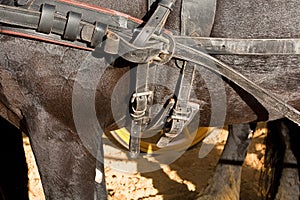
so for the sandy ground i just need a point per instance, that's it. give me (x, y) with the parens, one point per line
(183, 179)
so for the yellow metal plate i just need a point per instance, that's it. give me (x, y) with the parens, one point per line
(122, 136)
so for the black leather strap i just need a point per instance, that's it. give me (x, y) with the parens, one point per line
(290, 165)
(197, 18)
(263, 96)
(143, 96)
(183, 111)
(237, 46)
(154, 24)
(30, 19)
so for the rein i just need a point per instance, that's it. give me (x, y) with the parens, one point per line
(147, 44)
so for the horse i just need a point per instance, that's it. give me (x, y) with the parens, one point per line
(43, 85)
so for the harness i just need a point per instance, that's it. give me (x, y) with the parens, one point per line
(146, 45)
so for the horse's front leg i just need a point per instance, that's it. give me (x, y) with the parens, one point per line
(67, 168)
(226, 181)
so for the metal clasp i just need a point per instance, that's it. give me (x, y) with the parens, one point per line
(139, 102)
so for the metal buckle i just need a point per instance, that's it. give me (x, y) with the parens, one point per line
(139, 102)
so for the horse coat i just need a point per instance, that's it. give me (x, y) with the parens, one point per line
(37, 85)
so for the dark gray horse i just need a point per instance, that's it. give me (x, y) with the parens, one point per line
(37, 91)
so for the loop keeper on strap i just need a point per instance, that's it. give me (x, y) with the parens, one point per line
(46, 19)
(100, 31)
(167, 3)
(72, 26)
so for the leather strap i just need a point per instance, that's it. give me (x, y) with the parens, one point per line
(266, 98)
(30, 20)
(143, 96)
(197, 18)
(236, 46)
(183, 111)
